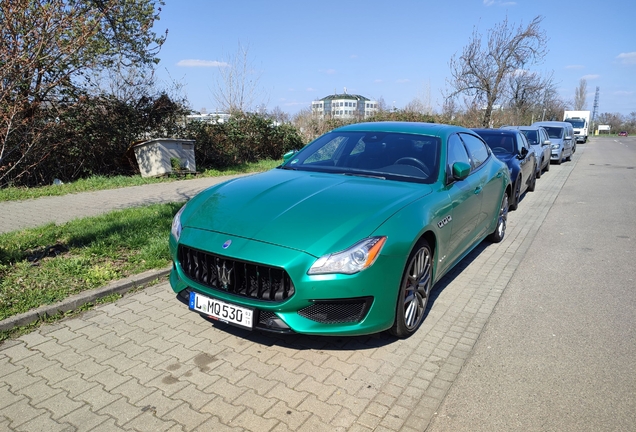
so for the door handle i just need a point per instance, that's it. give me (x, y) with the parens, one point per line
(478, 190)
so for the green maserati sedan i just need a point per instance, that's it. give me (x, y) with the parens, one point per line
(347, 236)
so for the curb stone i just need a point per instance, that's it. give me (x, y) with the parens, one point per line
(76, 301)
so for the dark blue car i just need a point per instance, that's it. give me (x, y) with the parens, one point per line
(512, 147)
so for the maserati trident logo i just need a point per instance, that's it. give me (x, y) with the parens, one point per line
(225, 275)
(227, 244)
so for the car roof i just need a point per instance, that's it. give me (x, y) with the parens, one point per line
(552, 123)
(534, 127)
(499, 131)
(434, 129)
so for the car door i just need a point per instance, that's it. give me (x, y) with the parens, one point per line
(490, 184)
(465, 197)
(546, 148)
(568, 141)
(526, 160)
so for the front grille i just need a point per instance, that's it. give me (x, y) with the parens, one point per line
(236, 277)
(337, 311)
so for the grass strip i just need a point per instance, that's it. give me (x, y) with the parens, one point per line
(96, 183)
(44, 265)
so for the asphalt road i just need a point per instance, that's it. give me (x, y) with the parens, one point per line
(559, 350)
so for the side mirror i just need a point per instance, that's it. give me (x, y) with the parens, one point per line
(547, 143)
(524, 152)
(568, 137)
(461, 170)
(287, 156)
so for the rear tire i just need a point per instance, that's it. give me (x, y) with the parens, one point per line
(516, 195)
(414, 292)
(533, 182)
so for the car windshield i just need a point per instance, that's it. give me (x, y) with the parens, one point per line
(499, 143)
(576, 123)
(554, 132)
(386, 155)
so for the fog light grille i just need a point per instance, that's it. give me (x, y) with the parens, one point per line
(337, 311)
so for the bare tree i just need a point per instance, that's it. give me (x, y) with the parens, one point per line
(237, 87)
(615, 120)
(580, 95)
(48, 49)
(279, 116)
(526, 92)
(481, 71)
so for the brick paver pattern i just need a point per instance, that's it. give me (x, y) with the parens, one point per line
(146, 363)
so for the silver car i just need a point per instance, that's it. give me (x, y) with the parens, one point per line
(562, 138)
(540, 143)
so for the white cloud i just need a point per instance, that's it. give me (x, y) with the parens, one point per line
(488, 3)
(330, 71)
(378, 81)
(574, 67)
(311, 89)
(590, 77)
(201, 63)
(627, 58)
(293, 104)
(403, 81)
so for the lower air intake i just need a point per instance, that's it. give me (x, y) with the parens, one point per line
(337, 311)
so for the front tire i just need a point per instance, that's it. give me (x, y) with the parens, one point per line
(415, 290)
(500, 231)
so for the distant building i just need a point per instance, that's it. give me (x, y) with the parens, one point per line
(208, 117)
(344, 106)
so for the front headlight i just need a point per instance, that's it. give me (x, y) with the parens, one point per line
(176, 224)
(358, 257)
(555, 146)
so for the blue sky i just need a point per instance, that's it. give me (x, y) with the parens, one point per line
(396, 50)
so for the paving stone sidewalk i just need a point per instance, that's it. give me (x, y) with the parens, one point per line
(147, 363)
(59, 209)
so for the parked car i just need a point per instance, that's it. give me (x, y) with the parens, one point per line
(622, 133)
(346, 237)
(562, 138)
(540, 143)
(512, 147)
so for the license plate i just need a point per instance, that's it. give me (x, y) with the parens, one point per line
(221, 311)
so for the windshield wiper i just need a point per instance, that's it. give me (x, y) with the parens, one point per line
(364, 175)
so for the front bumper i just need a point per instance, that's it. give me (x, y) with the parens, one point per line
(333, 304)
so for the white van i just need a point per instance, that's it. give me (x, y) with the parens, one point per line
(562, 138)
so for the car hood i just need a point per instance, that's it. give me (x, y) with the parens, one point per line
(311, 212)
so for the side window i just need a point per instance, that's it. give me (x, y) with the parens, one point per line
(477, 149)
(521, 143)
(456, 153)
